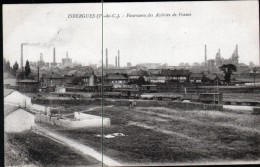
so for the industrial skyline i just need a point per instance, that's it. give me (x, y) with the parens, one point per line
(218, 59)
(155, 40)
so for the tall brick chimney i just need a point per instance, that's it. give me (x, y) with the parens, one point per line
(205, 55)
(106, 58)
(118, 62)
(21, 56)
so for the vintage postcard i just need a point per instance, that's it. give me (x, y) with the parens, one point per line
(131, 84)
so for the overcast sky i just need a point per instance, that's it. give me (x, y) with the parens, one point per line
(172, 40)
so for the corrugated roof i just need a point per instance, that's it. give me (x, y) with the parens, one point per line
(175, 72)
(56, 76)
(138, 73)
(8, 109)
(74, 73)
(196, 75)
(88, 73)
(116, 76)
(8, 92)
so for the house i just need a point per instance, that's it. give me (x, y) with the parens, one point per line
(196, 77)
(49, 80)
(17, 119)
(89, 78)
(154, 72)
(174, 75)
(16, 98)
(249, 76)
(28, 86)
(112, 71)
(156, 79)
(116, 79)
(135, 74)
(74, 73)
(215, 79)
(242, 67)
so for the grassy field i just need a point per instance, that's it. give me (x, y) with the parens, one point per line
(241, 97)
(29, 148)
(163, 135)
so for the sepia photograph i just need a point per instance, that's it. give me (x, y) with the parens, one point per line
(172, 83)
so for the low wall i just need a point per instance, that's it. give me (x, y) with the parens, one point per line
(94, 121)
(67, 101)
(169, 104)
(40, 108)
(142, 103)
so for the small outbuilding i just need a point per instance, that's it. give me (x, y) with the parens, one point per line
(17, 119)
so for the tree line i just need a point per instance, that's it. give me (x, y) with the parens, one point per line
(13, 69)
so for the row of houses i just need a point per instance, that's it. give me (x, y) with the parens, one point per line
(117, 77)
(163, 76)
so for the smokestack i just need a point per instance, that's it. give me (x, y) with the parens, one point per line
(116, 61)
(54, 59)
(21, 56)
(38, 74)
(67, 55)
(106, 58)
(118, 58)
(205, 55)
(236, 50)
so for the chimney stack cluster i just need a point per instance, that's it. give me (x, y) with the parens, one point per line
(117, 59)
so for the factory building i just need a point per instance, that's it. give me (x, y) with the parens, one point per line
(67, 61)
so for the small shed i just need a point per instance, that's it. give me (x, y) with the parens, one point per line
(17, 119)
(17, 98)
(60, 89)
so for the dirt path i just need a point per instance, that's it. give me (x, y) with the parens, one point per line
(85, 150)
(243, 108)
(163, 131)
(196, 122)
(94, 108)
